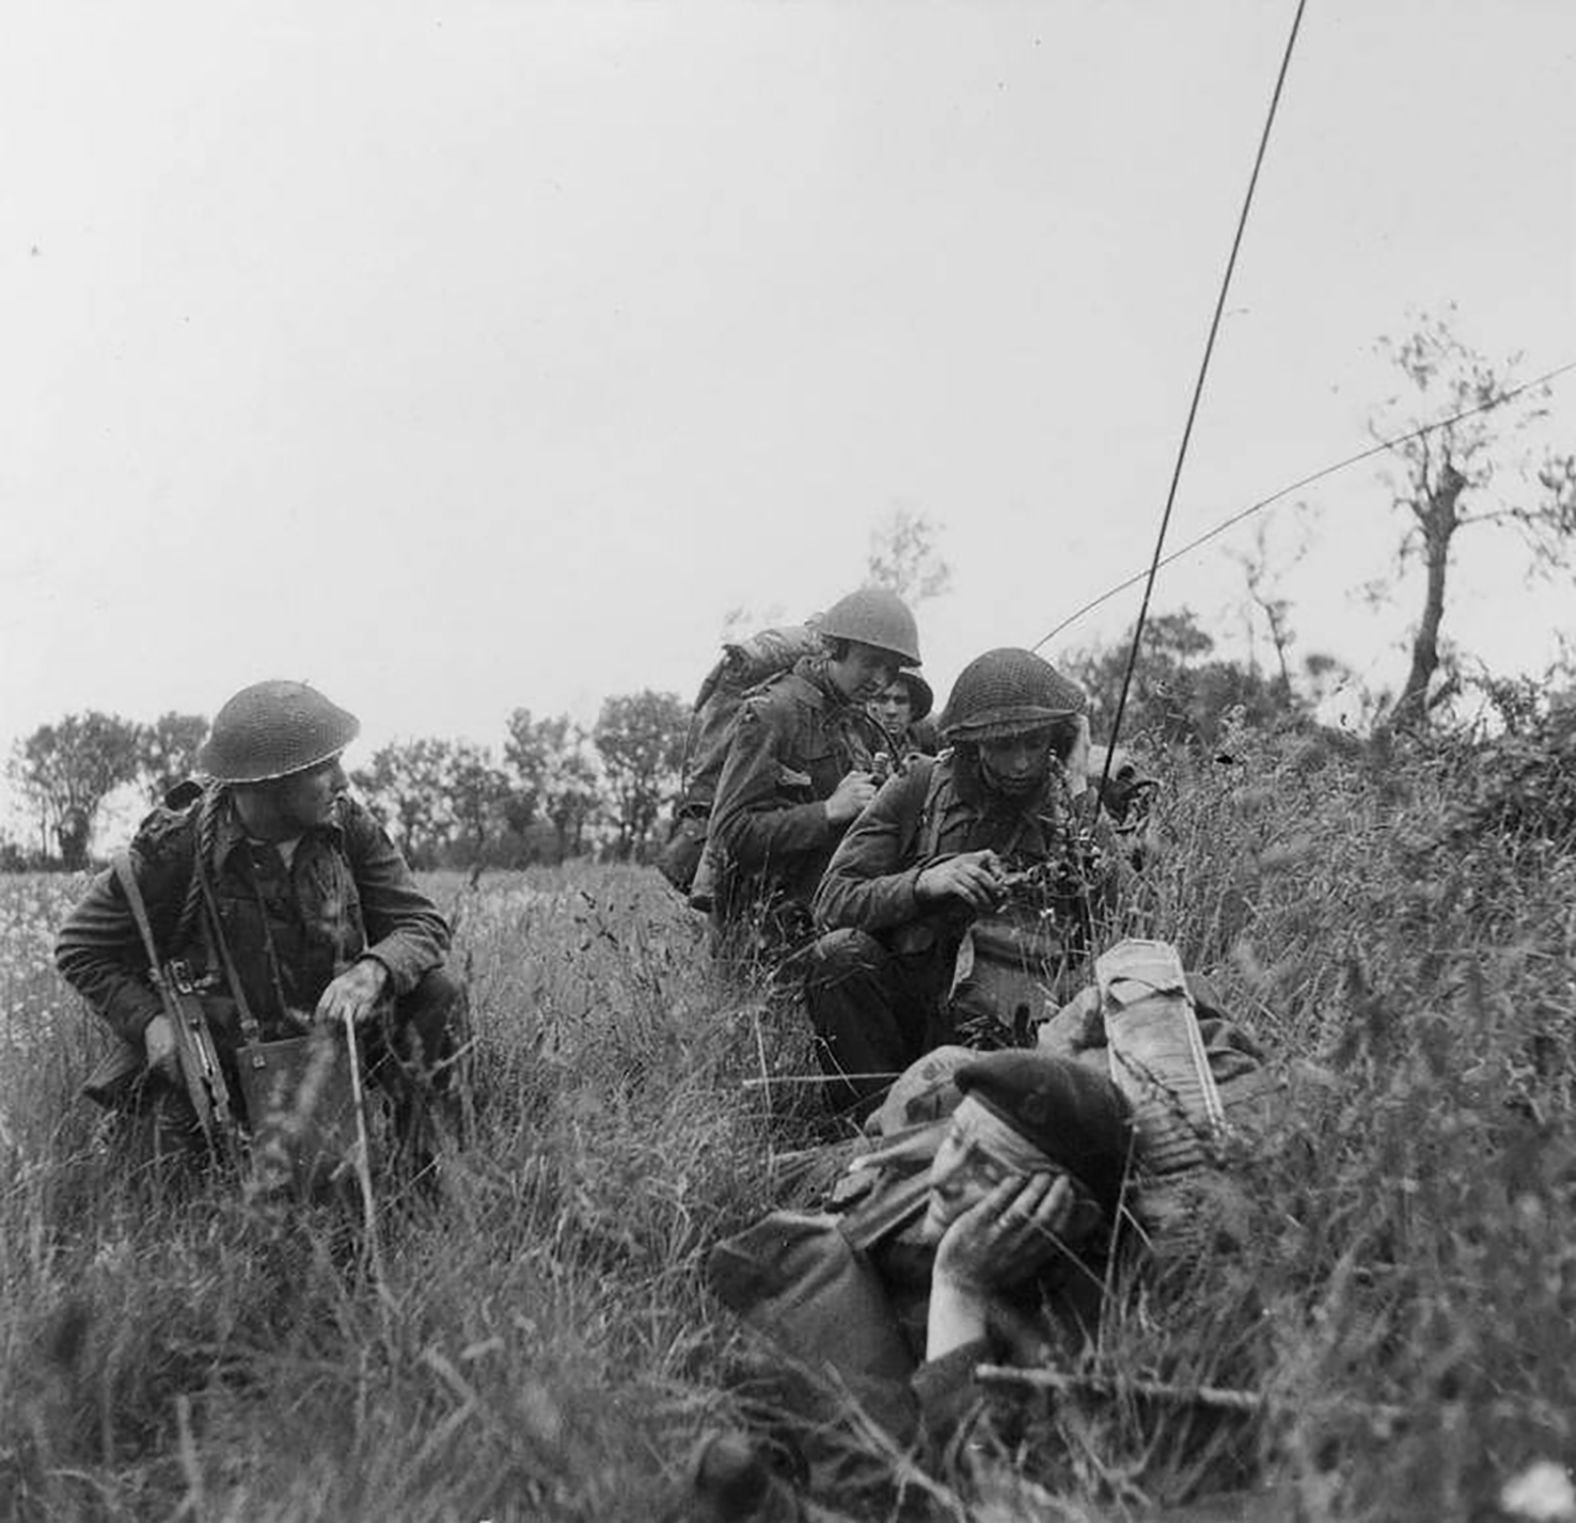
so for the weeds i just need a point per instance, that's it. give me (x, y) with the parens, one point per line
(1397, 929)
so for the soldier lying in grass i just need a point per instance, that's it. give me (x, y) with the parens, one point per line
(980, 1229)
(983, 1238)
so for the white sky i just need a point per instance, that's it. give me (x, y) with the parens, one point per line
(462, 356)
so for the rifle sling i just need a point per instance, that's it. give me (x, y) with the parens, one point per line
(127, 879)
(212, 1105)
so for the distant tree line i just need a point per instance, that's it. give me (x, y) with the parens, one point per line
(64, 772)
(558, 790)
(1459, 457)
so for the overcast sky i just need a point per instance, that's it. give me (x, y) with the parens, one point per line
(462, 356)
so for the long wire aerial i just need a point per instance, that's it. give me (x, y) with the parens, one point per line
(1236, 518)
(1198, 389)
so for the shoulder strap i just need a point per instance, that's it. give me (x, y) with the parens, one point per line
(888, 1211)
(127, 878)
(930, 815)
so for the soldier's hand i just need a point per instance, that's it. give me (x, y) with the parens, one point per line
(972, 876)
(1004, 1238)
(354, 993)
(158, 1042)
(852, 794)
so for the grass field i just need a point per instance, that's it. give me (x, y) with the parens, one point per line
(535, 1341)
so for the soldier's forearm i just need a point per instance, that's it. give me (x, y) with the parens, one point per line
(754, 838)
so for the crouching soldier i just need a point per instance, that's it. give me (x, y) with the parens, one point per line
(799, 769)
(287, 906)
(963, 899)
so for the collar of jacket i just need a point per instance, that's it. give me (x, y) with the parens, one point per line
(814, 672)
(230, 833)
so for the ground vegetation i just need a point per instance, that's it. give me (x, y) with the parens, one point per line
(1392, 920)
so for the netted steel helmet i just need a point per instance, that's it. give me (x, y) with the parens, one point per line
(272, 729)
(874, 616)
(1008, 692)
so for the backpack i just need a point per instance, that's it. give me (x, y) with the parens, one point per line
(744, 665)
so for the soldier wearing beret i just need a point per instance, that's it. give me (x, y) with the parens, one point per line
(318, 917)
(918, 896)
(984, 1237)
(1023, 1193)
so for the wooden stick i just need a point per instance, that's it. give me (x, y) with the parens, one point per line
(813, 1079)
(1113, 1385)
(369, 1214)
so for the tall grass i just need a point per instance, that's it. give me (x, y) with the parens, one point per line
(534, 1340)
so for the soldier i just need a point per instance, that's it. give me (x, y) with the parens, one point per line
(963, 898)
(902, 708)
(980, 1236)
(318, 918)
(798, 770)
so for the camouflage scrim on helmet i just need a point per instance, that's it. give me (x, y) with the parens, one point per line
(874, 616)
(272, 729)
(1009, 692)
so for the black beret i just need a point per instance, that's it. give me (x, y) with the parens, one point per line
(1078, 1118)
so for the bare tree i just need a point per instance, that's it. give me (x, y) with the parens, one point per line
(1449, 479)
(903, 557)
(1266, 602)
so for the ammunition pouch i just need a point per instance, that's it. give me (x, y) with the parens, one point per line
(300, 1104)
(1010, 974)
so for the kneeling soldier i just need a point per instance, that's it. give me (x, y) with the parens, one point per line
(285, 898)
(958, 905)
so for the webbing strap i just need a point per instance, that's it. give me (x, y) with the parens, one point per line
(930, 816)
(127, 878)
(930, 819)
(874, 1221)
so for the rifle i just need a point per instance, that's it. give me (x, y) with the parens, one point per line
(195, 1053)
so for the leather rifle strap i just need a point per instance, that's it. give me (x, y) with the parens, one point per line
(127, 878)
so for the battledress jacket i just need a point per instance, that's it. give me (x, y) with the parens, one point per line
(870, 881)
(794, 740)
(346, 893)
